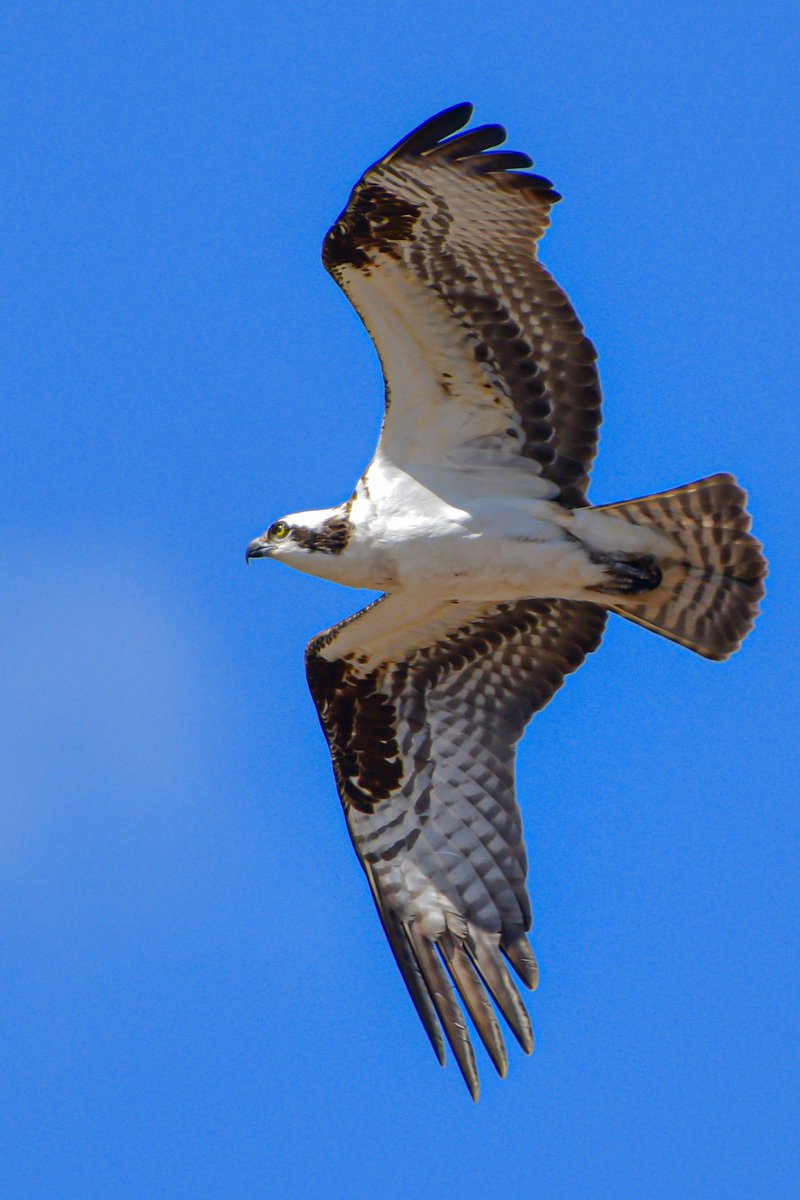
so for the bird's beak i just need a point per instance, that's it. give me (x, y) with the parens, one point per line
(258, 548)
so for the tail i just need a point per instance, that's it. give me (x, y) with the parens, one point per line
(712, 581)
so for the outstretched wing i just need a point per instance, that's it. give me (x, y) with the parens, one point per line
(484, 359)
(422, 712)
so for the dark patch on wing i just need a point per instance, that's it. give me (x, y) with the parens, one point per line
(374, 221)
(332, 537)
(360, 723)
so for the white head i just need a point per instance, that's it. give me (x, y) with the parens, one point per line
(306, 541)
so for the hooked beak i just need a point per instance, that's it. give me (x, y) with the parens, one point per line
(258, 548)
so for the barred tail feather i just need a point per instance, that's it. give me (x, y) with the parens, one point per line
(708, 596)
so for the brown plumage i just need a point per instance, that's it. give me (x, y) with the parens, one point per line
(711, 586)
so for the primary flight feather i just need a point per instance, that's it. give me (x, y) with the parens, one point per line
(497, 576)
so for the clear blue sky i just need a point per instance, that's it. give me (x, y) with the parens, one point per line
(197, 1001)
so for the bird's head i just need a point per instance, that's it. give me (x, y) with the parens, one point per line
(306, 540)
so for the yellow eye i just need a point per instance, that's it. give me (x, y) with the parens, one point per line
(279, 531)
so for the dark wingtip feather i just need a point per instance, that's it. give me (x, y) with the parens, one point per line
(523, 960)
(433, 139)
(539, 183)
(431, 132)
(443, 998)
(496, 160)
(470, 142)
(476, 1001)
(498, 982)
(414, 980)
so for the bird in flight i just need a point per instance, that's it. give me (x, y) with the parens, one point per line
(497, 575)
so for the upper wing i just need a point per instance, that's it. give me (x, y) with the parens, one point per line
(422, 712)
(483, 356)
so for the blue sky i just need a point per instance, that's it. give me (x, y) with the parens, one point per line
(197, 998)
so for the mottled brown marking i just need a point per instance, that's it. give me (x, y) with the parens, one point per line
(360, 723)
(332, 537)
(375, 220)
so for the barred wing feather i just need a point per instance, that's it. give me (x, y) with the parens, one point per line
(422, 711)
(484, 359)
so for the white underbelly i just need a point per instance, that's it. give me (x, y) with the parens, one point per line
(485, 567)
(505, 547)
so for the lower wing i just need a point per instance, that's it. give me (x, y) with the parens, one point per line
(423, 711)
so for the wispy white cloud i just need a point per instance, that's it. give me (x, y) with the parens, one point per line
(104, 692)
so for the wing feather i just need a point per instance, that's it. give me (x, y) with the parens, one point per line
(409, 968)
(481, 137)
(499, 982)
(430, 133)
(444, 1001)
(422, 711)
(475, 1000)
(482, 352)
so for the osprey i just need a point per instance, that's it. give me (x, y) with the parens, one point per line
(497, 575)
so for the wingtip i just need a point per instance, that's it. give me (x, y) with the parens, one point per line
(473, 1084)
(526, 1039)
(430, 133)
(523, 960)
(462, 108)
